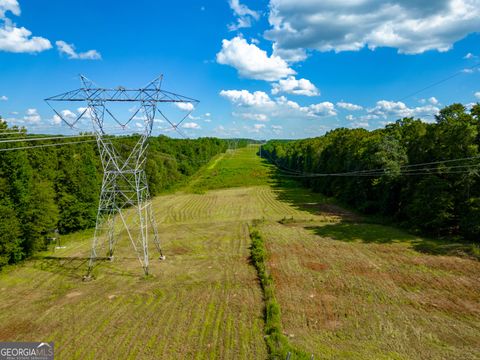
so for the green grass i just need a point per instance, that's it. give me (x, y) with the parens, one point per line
(368, 229)
(381, 234)
(332, 283)
(233, 169)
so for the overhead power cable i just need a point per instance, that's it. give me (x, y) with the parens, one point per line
(27, 139)
(10, 133)
(46, 145)
(403, 170)
(421, 171)
(441, 81)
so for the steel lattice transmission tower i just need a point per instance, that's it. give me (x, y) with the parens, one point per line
(124, 204)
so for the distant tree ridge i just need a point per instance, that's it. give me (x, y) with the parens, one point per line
(440, 197)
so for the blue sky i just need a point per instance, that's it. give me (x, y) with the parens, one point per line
(261, 69)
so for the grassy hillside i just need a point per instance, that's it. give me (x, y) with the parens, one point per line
(347, 289)
(232, 169)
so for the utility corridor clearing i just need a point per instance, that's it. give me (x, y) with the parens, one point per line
(347, 289)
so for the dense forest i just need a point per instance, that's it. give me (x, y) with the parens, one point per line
(422, 175)
(47, 188)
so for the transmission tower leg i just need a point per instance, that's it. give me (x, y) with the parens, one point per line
(104, 231)
(142, 205)
(93, 256)
(93, 251)
(153, 225)
(105, 221)
(111, 236)
(151, 220)
(143, 236)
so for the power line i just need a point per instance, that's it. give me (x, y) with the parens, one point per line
(10, 133)
(385, 172)
(43, 138)
(47, 145)
(399, 174)
(404, 169)
(410, 166)
(421, 171)
(440, 81)
(40, 138)
(175, 126)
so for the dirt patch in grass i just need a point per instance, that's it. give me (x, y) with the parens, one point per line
(73, 294)
(359, 268)
(330, 210)
(315, 266)
(10, 331)
(179, 250)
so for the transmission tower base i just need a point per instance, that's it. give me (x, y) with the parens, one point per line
(87, 278)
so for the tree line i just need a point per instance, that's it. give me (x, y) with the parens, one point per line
(47, 188)
(408, 171)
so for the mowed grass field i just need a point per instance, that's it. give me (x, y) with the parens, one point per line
(347, 289)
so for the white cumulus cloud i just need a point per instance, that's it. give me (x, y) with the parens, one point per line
(191, 125)
(3, 98)
(56, 120)
(325, 108)
(248, 99)
(477, 95)
(18, 39)
(412, 27)
(9, 5)
(259, 127)
(289, 55)
(254, 105)
(291, 85)
(251, 61)
(397, 109)
(32, 116)
(360, 121)
(69, 50)
(251, 116)
(277, 129)
(432, 100)
(185, 106)
(360, 124)
(70, 116)
(349, 106)
(244, 15)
